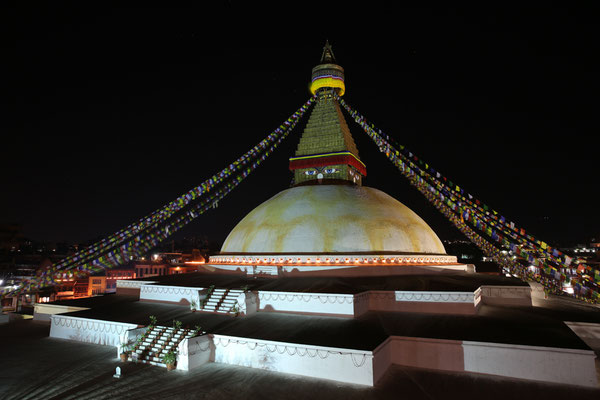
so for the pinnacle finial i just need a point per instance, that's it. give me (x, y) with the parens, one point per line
(327, 56)
(327, 74)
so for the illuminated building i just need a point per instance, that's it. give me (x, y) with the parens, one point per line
(335, 280)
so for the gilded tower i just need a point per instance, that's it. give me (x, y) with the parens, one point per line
(326, 152)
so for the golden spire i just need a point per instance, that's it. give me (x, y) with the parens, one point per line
(328, 75)
(326, 153)
(327, 57)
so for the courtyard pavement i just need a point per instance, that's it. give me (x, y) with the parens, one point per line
(35, 366)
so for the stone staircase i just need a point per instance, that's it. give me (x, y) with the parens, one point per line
(222, 300)
(229, 300)
(158, 342)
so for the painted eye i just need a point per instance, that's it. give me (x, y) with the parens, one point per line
(310, 172)
(330, 170)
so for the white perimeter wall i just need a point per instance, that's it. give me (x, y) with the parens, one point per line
(194, 352)
(131, 284)
(317, 303)
(587, 331)
(171, 294)
(506, 295)
(88, 330)
(42, 311)
(344, 365)
(358, 304)
(567, 366)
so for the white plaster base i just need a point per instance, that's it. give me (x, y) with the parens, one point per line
(337, 270)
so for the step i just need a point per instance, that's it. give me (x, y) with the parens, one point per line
(155, 359)
(158, 364)
(163, 341)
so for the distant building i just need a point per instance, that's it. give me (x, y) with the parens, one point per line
(168, 264)
(96, 285)
(151, 268)
(182, 269)
(116, 274)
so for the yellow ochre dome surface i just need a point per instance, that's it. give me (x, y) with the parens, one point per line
(332, 219)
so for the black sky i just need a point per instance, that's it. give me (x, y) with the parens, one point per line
(120, 110)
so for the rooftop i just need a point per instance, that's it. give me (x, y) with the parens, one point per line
(534, 326)
(74, 370)
(455, 282)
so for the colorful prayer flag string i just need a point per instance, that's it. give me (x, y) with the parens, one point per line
(449, 197)
(140, 237)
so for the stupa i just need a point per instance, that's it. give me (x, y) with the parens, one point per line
(328, 222)
(334, 280)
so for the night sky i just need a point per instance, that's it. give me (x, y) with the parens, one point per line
(120, 110)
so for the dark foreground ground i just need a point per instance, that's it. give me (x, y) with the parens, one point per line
(35, 366)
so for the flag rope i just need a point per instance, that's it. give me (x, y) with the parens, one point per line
(140, 237)
(448, 197)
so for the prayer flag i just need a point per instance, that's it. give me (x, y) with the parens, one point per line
(568, 260)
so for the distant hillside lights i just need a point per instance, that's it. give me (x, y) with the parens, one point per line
(585, 250)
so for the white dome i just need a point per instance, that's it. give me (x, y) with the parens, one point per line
(332, 219)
